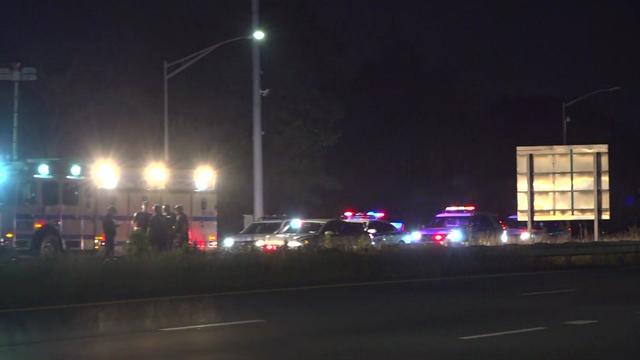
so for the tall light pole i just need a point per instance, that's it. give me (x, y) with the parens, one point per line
(258, 195)
(16, 74)
(565, 105)
(173, 68)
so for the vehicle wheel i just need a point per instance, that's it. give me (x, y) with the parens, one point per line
(50, 245)
(401, 243)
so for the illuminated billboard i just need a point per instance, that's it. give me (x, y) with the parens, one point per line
(569, 182)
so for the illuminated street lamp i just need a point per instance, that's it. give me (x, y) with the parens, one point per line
(258, 35)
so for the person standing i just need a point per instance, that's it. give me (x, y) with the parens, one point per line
(182, 227)
(109, 227)
(158, 229)
(170, 221)
(142, 218)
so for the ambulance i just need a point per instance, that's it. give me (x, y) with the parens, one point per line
(49, 206)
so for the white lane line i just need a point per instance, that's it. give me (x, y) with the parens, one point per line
(535, 293)
(212, 325)
(580, 322)
(509, 332)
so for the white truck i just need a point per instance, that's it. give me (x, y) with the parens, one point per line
(54, 205)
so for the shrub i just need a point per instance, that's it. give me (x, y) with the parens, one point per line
(138, 244)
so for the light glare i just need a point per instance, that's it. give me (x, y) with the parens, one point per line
(43, 170)
(258, 35)
(105, 174)
(455, 235)
(204, 178)
(156, 175)
(75, 170)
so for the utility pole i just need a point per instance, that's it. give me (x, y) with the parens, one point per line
(16, 74)
(166, 113)
(258, 196)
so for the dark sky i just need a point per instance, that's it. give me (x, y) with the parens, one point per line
(399, 105)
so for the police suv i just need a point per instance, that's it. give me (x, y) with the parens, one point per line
(462, 225)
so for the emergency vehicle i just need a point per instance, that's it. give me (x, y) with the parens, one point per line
(53, 205)
(462, 225)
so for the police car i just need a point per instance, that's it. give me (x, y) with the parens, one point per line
(462, 225)
(53, 205)
(382, 232)
(253, 236)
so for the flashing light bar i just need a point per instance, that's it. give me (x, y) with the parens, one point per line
(460, 208)
(373, 214)
(376, 214)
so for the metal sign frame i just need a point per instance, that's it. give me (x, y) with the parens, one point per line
(569, 182)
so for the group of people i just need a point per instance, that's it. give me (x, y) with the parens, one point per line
(165, 229)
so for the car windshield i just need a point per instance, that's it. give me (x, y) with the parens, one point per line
(305, 228)
(450, 221)
(261, 228)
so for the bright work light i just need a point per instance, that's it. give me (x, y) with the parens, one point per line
(75, 170)
(204, 178)
(156, 175)
(43, 170)
(105, 174)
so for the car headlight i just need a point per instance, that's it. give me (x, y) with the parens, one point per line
(504, 237)
(525, 236)
(455, 235)
(260, 243)
(294, 244)
(228, 242)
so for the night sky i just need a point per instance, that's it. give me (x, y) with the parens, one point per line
(405, 106)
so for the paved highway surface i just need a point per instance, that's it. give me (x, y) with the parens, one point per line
(589, 314)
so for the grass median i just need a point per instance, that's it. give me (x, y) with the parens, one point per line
(75, 279)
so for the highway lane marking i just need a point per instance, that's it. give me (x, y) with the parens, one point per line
(229, 323)
(288, 289)
(508, 332)
(580, 322)
(561, 291)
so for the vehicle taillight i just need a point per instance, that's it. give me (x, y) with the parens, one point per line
(503, 225)
(38, 224)
(213, 242)
(270, 247)
(98, 241)
(438, 237)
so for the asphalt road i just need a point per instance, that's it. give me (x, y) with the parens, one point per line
(588, 314)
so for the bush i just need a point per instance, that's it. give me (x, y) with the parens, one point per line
(138, 244)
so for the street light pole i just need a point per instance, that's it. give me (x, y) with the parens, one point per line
(16, 102)
(258, 196)
(166, 113)
(565, 105)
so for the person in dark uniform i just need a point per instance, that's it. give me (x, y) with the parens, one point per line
(182, 227)
(158, 229)
(170, 219)
(142, 218)
(109, 227)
